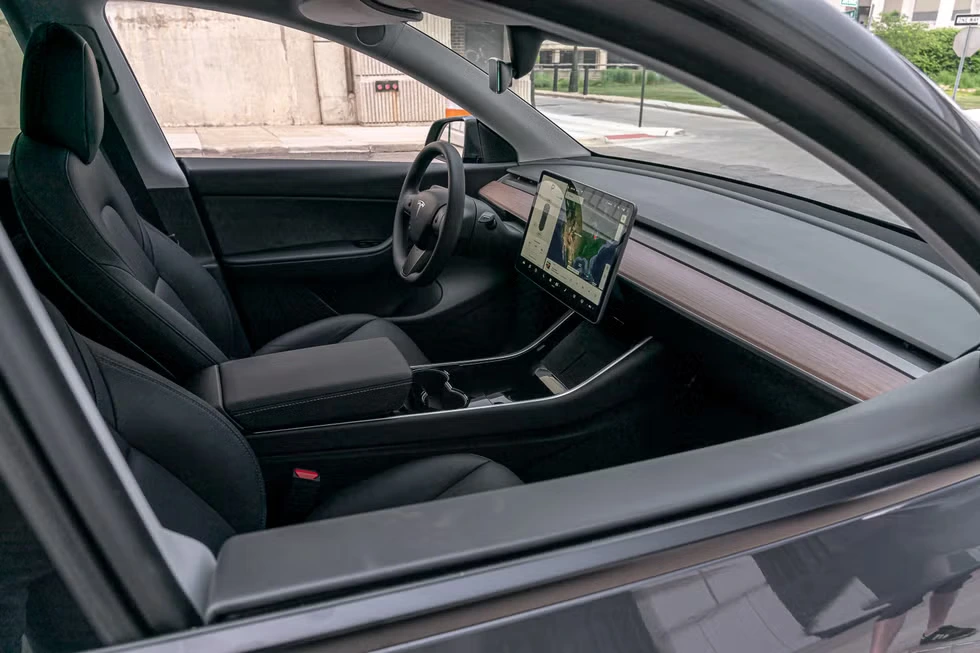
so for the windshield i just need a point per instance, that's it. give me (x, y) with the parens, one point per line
(614, 107)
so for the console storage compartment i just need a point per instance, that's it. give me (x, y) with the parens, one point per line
(317, 385)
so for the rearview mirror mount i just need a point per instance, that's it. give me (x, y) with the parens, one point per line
(501, 74)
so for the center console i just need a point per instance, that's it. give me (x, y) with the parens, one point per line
(316, 385)
(564, 357)
(361, 396)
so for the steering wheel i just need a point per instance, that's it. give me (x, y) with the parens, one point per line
(427, 223)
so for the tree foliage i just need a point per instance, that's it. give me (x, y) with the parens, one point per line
(931, 50)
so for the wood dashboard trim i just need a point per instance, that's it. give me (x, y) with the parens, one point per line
(771, 331)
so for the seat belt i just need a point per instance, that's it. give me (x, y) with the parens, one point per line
(114, 148)
(171, 210)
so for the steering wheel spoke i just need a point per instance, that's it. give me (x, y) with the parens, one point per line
(416, 260)
(407, 201)
(438, 221)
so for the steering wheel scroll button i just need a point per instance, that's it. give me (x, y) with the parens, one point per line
(488, 220)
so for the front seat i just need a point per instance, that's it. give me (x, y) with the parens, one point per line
(82, 223)
(200, 477)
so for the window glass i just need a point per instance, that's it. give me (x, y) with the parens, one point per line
(226, 85)
(600, 105)
(36, 611)
(11, 59)
(596, 97)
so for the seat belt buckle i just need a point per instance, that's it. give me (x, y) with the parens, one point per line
(304, 488)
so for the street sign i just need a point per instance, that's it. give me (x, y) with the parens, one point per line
(966, 43)
(849, 3)
(966, 19)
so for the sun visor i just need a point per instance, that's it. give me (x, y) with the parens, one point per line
(358, 13)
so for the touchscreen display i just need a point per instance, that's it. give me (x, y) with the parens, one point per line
(574, 242)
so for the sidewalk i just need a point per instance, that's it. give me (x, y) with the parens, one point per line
(295, 139)
(717, 112)
(360, 140)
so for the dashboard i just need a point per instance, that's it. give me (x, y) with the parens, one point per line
(806, 336)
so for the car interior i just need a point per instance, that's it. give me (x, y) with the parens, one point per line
(352, 395)
(393, 343)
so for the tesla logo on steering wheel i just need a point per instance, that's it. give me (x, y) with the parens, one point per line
(421, 205)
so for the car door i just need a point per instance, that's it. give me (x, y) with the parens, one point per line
(791, 540)
(295, 149)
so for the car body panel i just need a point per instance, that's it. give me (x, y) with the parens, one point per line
(760, 544)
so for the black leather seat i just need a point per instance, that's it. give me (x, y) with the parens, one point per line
(201, 476)
(83, 224)
(201, 479)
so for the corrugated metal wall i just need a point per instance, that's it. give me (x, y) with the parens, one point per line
(413, 102)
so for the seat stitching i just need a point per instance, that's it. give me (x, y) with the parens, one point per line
(88, 373)
(13, 175)
(272, 347)
(332, 395)
(468, 474)
(226, 305)
(144, 238)
(99, 266)
(81, 78)
(205, 408)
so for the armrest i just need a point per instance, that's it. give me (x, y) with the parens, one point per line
(316, 385)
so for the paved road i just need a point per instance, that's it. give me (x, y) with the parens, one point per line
(737, 149)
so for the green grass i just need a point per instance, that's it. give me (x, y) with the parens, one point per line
(966, 99)
(626, 83)
(670, 92)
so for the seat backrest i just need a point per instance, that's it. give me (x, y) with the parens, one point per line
(197, 472)
(82, 222)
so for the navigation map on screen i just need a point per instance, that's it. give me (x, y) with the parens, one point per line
(574, 241)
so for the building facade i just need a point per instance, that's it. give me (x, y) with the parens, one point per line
(936, 13)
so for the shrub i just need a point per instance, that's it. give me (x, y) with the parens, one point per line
(617, 76)
(948, 78)
(930, 50)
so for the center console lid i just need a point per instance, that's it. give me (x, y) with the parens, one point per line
(316, 385)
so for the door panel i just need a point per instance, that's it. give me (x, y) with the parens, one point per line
(302, 240)
(241, 224)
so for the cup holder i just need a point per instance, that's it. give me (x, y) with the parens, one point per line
(431, 390)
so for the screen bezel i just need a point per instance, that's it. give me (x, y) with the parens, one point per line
(537, 275)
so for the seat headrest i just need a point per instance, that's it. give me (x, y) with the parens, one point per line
(61, 98)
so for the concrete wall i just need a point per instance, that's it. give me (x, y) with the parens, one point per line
(200, 67)
(336, 101)
(204, 68)
(10, 64)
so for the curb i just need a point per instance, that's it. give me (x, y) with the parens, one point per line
(715, 112)
(626, 140)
